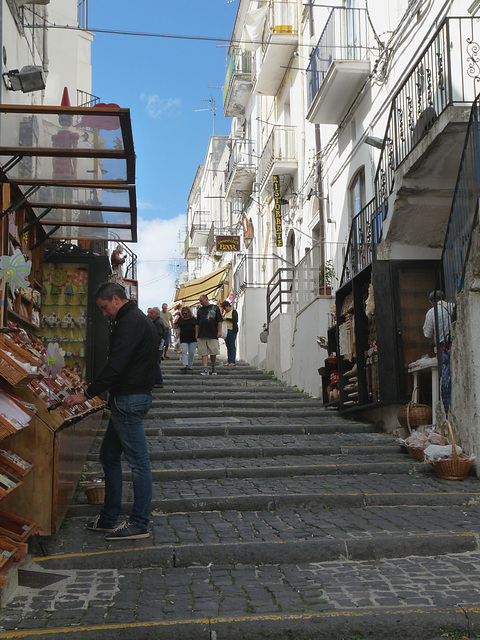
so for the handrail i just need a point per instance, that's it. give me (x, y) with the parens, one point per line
(463, 213)
(131, 262)
(279, 291)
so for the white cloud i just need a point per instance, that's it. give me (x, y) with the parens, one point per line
(159, 250)
(155, 106)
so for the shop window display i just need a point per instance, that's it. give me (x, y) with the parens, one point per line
(64, 311)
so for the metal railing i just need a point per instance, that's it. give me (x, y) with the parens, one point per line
(463, 213)
(446, 73)
(280, 147)
(85, 99)
(241, 157)
(312, 279)
(281, 18)
(243, 276)
(279, 292)
(365, 232)
(200, 222)
(240, 63)
(347, 35)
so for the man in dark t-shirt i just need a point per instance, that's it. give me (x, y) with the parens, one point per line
(209, 330)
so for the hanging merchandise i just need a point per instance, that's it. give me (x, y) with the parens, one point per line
(14, 271)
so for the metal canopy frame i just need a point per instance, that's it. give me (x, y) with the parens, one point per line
(99, 134)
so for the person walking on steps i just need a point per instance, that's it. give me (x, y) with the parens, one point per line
(209, 330)
(186, 330)
(129, 375)
(154, 314)
(230, 317)
(167, 319)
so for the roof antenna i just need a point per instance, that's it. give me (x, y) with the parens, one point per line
(212, 108)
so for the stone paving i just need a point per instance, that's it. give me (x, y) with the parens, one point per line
(280, 527)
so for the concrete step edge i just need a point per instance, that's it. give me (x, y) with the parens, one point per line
(253, 553)
(396, 623)
(279, 501)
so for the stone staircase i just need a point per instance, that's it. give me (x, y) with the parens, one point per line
(272, 517)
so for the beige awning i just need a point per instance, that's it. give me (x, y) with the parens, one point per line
(189, 292)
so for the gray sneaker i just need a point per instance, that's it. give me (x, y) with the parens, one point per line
(204, 372)
(214, 371)
(97, 525)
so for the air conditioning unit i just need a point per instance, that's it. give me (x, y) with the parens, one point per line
(20, 3)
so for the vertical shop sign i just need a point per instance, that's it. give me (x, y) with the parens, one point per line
(277, 211)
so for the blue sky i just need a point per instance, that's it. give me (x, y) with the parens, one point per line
(163, 81)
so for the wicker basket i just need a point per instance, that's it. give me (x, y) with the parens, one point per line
(10, 370)
(95, 492)
(414, 414)
(416, 452)
(455, 468)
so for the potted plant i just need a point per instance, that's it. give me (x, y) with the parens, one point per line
(326, 274)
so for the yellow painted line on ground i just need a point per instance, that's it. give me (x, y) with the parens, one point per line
(130, 551)
(97, 553)
(239, 619)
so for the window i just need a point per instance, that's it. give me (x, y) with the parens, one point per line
(357, 193)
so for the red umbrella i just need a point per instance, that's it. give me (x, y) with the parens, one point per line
(97, 121)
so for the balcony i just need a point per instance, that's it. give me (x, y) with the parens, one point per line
(280, 39)
(200, 229)
(279, 156)
(339, 65)
(241, 168)
(190, 253)
(238, 83)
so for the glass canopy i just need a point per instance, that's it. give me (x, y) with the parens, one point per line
(76, 166)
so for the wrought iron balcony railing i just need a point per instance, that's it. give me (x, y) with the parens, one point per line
(446, 74)
(347, 35)
(280, 147)
(463, 213)
(241, 157)
(240, 63)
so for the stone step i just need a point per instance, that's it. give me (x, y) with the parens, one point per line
(285, 412)
(281, 601)
(194, 405)
(274, 467)
(184, 427)
(338, 490)
(262, 452)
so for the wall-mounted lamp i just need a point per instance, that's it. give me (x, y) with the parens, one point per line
(315, 193)
(29, 78)
(374, 142)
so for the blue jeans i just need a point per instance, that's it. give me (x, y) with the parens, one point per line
(126, 434)
(230, 341)
(188, 352)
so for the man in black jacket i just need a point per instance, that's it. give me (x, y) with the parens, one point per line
(129, 375)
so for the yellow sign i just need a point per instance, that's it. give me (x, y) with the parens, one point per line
(277, 211)
(228, 243)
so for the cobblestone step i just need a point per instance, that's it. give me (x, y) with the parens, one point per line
(340, 600)
(261, 537)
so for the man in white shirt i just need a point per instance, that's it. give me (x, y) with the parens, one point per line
(444, 313)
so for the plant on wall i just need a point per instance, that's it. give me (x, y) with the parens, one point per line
(326, 276)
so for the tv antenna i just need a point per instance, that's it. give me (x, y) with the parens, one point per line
(213, 108)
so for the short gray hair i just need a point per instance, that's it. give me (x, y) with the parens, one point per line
(156, 309)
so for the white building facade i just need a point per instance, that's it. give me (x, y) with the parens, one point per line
(29, 39)
(341, 170)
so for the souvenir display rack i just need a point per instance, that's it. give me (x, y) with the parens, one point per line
(57, 439)
(69, 314)
(380, 315)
